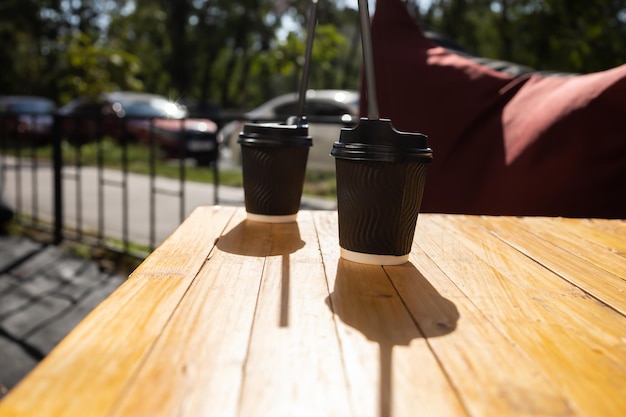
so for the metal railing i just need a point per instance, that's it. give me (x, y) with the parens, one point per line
(51, 186)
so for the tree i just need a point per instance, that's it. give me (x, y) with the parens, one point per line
(235, 53)
(91, 67)
(543, 34)
(24, 52)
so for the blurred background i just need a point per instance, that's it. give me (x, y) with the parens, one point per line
(236, 54)
(160, 88)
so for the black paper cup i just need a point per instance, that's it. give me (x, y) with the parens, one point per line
(381, 173)
(274, 158)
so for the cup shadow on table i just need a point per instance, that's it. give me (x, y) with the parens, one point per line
(366, 300)
(257, 239)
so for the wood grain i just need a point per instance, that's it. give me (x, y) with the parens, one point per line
(390, 368)
(597, 272)
(602, 250)
(490, 375)
(89, 369)
(577, 341)
(195, 367)
(294, 365)
(491, 316)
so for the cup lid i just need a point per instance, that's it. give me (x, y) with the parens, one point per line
(275, 134)
(378, 140)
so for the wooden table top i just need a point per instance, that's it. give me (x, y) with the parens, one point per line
(492, 316)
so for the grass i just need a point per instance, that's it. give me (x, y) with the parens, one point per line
(111, 155)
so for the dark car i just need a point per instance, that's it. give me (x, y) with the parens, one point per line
(141, 118)
(29, 119)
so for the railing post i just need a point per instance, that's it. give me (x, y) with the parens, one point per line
(216, 179)
(57, 179)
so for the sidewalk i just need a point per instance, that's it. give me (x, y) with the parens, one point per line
(44, 293)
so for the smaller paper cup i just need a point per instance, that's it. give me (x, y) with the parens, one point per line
(274, 158)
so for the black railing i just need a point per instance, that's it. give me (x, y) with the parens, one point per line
(52, 186)
(56, 188)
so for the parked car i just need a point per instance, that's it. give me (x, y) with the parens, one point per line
(141, 118)
(27, 118)
(327, 112)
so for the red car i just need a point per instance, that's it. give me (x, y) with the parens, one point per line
(29, 119)
(141, 118)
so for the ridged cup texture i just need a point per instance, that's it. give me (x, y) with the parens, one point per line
(378, 205)
(273, 177)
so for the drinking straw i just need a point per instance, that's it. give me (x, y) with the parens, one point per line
(368, 60)
(307, 61)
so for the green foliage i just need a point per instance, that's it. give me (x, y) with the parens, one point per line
(21, 37)
(238, 53)
(92, 67)
(553, 35)
(285, 63)
(225, 52)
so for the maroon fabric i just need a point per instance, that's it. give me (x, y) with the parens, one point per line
(529, 145)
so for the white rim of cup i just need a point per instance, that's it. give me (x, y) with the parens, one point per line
(372, 259)
(265, 218)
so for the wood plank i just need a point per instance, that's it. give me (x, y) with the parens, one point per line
(389, 365)
(483, 321)
(206, 341)
(573, 239)
(294, 366)
(578, 341)
(86, 373)
(616, 227)
(609, 233)
(583, 272)
(469, 349)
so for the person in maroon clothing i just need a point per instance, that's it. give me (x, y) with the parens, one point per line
(530, 144)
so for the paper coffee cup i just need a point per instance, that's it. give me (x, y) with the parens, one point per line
(274, 158)
(381, 173)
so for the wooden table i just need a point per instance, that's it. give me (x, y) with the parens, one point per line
(492, 316)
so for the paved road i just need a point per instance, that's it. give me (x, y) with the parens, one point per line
(31, 192)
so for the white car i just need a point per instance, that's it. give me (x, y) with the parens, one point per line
(327, 111)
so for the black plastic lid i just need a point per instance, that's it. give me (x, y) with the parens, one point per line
(378, 140)
(275, 134)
